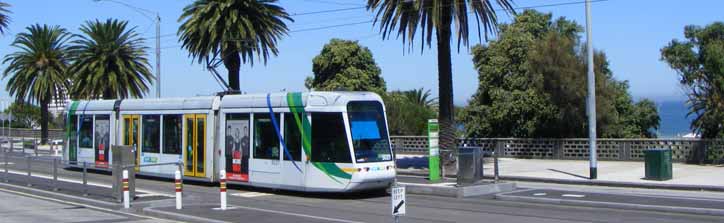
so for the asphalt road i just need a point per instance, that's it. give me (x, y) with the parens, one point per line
(263, 205)
(23, 208)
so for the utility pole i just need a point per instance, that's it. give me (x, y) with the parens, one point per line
(591, 107)
(158, 56)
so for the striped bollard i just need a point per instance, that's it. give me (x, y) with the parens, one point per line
(179, 189)
(126, 194)
(222, 188)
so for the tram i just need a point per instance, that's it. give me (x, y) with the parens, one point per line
(315, 141)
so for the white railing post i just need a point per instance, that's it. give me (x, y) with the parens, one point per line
(179, 189)
(222, 188)
(126, 194)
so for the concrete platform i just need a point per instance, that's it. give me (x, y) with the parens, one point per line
(610, 173)
(419, 185)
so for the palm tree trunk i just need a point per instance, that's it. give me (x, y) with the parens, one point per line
(232, 62)
(108, 94)
(44, 120)
(445, 87)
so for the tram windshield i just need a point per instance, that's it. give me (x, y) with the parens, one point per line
(369, 132)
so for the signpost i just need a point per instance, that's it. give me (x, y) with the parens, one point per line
(433, 130)
(398, 202)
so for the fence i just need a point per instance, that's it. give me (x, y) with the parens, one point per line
(31, 133)
(683, 150)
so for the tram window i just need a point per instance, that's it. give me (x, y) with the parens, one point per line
(292, 138)
(151, 133)
(86, 132)
(329, 138)
(266, 142)
(369, 132)
(73, 127)
(172, 132)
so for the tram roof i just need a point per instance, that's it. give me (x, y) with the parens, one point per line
(313, 99)
(95, 105)
(192, 103)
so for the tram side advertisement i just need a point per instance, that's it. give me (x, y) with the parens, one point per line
(237, 142)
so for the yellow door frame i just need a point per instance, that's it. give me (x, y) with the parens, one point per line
(135, 121)
(193, 142)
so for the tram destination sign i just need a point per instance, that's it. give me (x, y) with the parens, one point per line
(398, 201)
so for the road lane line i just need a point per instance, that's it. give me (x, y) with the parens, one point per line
(574, 195)
(297, 214)
(250, 194)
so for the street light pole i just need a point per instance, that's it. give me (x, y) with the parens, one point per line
(591, 107)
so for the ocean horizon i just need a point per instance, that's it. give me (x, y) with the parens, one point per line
(674, 122)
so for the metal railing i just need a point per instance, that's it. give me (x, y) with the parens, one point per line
(36, 166)
(683, 150)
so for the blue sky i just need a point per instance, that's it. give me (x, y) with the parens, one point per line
(630, 32)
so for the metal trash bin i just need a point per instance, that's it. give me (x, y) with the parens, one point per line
(470, 165)
(658, 164)
(123, 156)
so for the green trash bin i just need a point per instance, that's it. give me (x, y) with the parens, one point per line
(658, 164)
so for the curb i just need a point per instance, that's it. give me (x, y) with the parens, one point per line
(58, 194)
(151, 211)
(612, 205)
(459, 192)
(608, 183)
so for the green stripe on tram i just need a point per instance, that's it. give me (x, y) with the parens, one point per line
(300, 116)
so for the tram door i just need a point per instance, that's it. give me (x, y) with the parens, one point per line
(132, 135)
(195, 145)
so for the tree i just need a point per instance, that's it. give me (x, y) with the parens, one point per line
(24, 115)
(403, 18)
(421, 97)
(532, 84)
(699, 61)
(405, 115)
(4, 19)
(38, 69)
(109, 62)
(233, 31)
(345, 65)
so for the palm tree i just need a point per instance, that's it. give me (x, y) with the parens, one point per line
(38, 69)
(4, 20)
(109, 61)
(406, 17)
(421, 97)
(232, 31)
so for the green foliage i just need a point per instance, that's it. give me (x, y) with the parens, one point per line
(225, 29)
(533, 84)
(405, 115)
(425, 19)
(345, 65)
(699, 60)
(4, 19)
(24, 115)
(109, 60)
(37, 70)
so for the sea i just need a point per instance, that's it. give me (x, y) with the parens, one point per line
(674, 122)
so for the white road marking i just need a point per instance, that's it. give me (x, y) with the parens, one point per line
(151, 193)
(540, 194)
(9, 163)
(250, 194)
(298, 215)
(574, 195)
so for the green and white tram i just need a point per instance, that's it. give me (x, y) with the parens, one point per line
(316, 141)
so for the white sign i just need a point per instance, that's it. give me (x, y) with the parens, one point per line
(398, 200)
